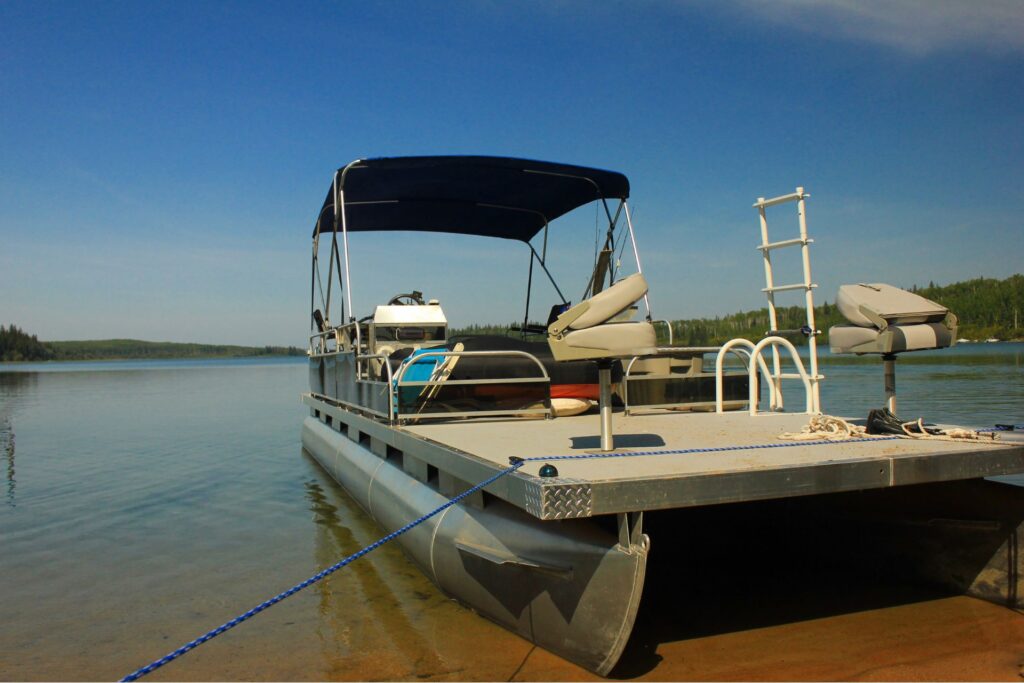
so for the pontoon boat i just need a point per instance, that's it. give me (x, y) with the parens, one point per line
(613, 421)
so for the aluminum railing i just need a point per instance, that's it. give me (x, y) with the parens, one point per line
(399, 382)
(663, 352)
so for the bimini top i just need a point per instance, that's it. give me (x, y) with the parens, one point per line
(489, 196)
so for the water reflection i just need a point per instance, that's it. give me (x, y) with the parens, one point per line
(7, 446)
(13, 387)
(364, 608)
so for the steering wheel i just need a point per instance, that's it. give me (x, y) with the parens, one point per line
(413, 298)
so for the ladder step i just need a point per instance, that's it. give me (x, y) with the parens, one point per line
(796, 375)
(784, 243)
(763, 203)
(787, 288)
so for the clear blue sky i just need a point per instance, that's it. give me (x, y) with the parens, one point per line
(161, 164)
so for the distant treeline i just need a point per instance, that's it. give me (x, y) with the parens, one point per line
(114, 349)
(16, 345)
(985, 307)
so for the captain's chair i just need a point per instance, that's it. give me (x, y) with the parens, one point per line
(595, 330)
(887, 320)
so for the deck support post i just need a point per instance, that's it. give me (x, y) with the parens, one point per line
(604, 378)
(889, 361)
(630, 527)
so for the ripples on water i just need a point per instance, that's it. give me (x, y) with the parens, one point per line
(970, 384)
(146, 502)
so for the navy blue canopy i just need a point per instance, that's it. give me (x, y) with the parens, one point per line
(469, 195)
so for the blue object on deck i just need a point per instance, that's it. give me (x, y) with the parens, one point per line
(419, 370)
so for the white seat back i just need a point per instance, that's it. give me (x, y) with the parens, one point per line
(878, 305)
(605, 305)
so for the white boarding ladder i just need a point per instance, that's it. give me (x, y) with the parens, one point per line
(767, 247)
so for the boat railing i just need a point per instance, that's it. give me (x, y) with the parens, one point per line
(319, 343)
(668, 327)
(741, 347)
(336, 339)
(364, 377)
(773, 380)
(696, 354)
(363, 373)
(373, 391)
(446, 395)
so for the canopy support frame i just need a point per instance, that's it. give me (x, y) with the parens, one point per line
(340, 253)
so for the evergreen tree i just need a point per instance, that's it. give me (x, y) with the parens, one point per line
(16, 345)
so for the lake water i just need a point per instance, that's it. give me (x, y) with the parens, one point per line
(143, 503)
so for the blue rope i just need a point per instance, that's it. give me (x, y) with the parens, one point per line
(514, 464)
(149, 668)
(1002, 428)
(688, 451)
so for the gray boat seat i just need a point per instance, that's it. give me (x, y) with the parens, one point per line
(888, 320)
(594, 329)
(893, 339)
(588, 331)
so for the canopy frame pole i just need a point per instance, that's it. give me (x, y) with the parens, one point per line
(339, 207)
(330, 277)
(319, 278)
(529, 287)
(636, 254)
(613, 222)
(548, 273)
(330, 257)
(312, 277)
(609, 243)
(337, 259)
(348, 268)
(529, 277)
(608, 213)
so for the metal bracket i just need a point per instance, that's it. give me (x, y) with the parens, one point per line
(630, 528)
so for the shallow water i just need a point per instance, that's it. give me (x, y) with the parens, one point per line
(144, 503)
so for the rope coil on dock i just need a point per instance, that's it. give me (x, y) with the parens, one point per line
(838, 429)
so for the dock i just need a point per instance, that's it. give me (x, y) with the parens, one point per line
(649, 474)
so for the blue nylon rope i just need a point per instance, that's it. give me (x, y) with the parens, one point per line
(1002, 428)
(710, 449)
(514, 464)
(166, 659)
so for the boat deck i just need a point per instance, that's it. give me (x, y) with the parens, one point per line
(592, 486)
